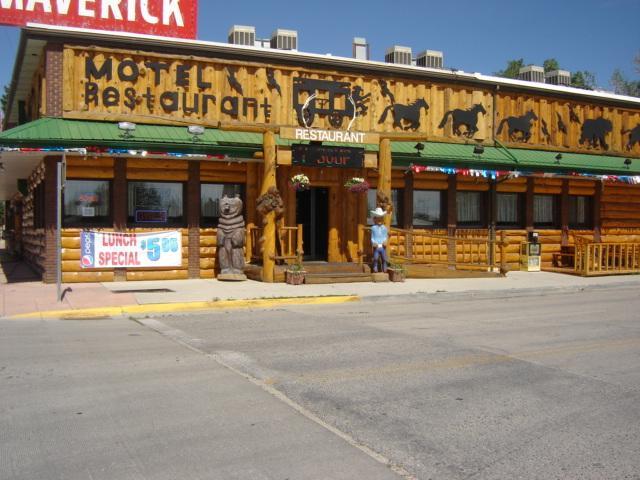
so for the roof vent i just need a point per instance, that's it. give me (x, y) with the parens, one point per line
(430, 58)
(242, 35)
(531, 73)
(360, 48)
(398, 54)
(284, 39)
(559, 77)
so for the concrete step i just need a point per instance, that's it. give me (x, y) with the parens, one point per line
(334, 267)
(318, 278)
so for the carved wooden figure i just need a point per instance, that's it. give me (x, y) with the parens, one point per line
(230, 240)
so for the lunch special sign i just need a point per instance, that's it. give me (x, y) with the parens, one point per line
(130, 250)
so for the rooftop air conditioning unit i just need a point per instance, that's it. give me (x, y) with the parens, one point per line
(399, 55)
(360, 48)
(284, 39)
(242, 35)
(430, 59)
(532, 73)
(559, 77)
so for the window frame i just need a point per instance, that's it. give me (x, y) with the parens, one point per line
(398, 209)
(483, 222)
(556, 223)
(442, 221)
(169, 224)
(520, 209)
(104, 222)
(588, 225)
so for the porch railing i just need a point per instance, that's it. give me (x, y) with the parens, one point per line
(423, 247)
(289, 244)
(606, 258)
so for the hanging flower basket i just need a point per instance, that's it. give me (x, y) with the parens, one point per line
(299, 182)
(357, 185)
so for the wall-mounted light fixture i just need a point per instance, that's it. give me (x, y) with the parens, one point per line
(128, 128)
(478, 149)
(558, 158)
(195, 131)
(627, 163)
(419, 147)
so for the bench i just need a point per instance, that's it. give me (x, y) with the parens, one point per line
(565, 258)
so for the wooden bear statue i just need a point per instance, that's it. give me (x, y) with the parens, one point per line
(230, 239)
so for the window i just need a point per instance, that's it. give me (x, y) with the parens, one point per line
(427, 208)
(509, 210)
(470, 208)
(155, 203)
(546, 211)
(580, 212)
(396, 201)
(86, 203)
(210, 195)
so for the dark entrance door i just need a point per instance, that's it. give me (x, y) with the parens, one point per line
(312, 212)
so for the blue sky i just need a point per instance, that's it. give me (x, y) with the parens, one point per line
(475, 36)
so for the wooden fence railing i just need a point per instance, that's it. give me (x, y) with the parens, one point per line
(423, 247)
(593, 258)
(289, 245)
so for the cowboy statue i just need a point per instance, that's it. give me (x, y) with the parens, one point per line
(379, 238)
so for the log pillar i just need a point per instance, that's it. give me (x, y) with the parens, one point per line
(384, 173)
(50, 264)
(529, 219)
(564, 212)
(269, 221)
(597, 213)
(193, 218)
(452, 219)
(120, 208)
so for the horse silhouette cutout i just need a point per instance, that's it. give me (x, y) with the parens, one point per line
(233, 81)
(594, 131)
(519, 125)
(406, 117)
(561, 125)
(634, 136)
(468, 118)
(272, 83)
(545, 130)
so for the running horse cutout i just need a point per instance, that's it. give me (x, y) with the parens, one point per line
(405, 114)
(468, 118)
(634, 136)
(521, 125)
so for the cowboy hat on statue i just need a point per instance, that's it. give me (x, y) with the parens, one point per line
(379, 237)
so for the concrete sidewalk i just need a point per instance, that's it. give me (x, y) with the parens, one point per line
(26, 296)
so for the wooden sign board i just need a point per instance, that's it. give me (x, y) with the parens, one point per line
(327, 157)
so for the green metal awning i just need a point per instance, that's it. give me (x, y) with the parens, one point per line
(62, 133)
(512, 159)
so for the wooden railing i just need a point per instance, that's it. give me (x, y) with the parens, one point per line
(423, 247)
(593, 258)
(289, 245)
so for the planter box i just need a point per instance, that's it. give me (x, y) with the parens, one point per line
(294, 278)
(396, 275)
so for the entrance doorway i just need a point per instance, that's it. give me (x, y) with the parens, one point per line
(312, 213)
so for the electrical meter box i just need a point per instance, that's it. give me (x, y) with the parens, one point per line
(530, 253)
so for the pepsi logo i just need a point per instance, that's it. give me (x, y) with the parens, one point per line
(87, 261)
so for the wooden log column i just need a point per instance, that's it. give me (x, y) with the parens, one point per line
(269, 221)
(564, 212)
(50, 219)
(120, 207)
(384, 173)
(193, 218)
(597, 212)
(452, 219)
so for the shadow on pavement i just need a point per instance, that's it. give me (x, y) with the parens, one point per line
(15, 270)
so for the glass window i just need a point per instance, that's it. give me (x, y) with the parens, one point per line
(580, 211)
(155, 203)
(509, 209)
(396, 202)
(427, 208)
(86, 202)
(546, 212)
(470, 208)
(210, 195)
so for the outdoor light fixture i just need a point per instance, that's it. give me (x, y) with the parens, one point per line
(195, 130)
(127, 128)
(558, 158)
(419, 147)
(478, 149)
(627, 162)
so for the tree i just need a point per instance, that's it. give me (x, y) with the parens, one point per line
(623, 86)
(512, 70)
(583, 79)
(4, 100)
(550, 64)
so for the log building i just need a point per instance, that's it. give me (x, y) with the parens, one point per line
(153, 131)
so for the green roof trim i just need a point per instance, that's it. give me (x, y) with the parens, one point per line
(500, 158)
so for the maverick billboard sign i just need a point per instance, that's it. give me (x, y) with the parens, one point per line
(168, 18)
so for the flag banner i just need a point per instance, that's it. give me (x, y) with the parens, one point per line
(130, 250)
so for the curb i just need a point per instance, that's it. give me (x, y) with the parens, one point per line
(100, 313)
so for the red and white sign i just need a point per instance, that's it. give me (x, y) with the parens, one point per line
(168, 18)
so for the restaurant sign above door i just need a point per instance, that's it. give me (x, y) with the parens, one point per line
(319, 135)
(167, 18)
(330, 157)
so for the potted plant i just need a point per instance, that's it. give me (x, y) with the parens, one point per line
(299, 182)
(357, 185)
(397, 272)
(294, 274)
